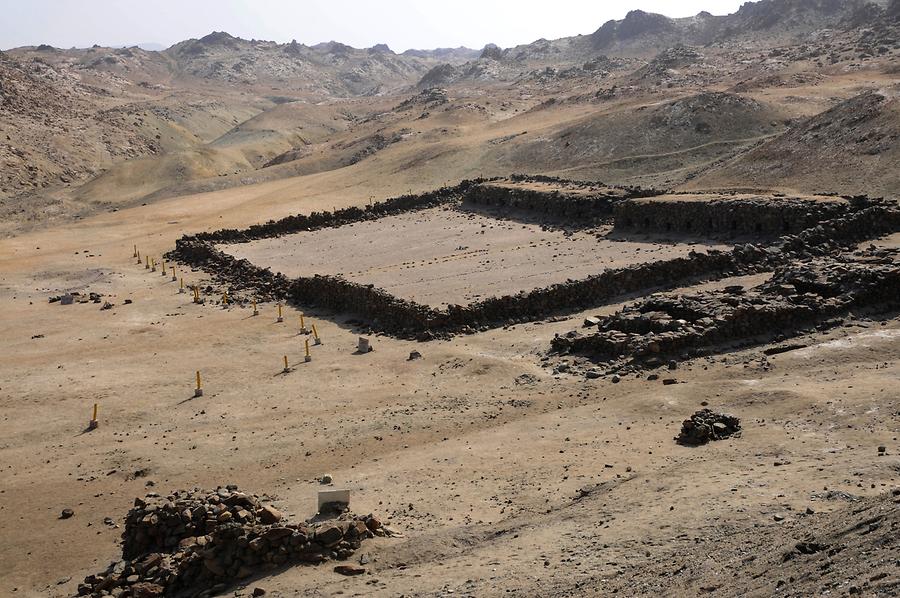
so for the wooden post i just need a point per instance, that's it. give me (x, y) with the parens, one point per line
(317, 340)
(92, 425)
(181, 285)
(196, 294)
(303, 329)
(135, 251)
(286, 368)
(225, 298)
(163, 273)
(307, 357)
(147, 265)
(139, 260)
(280, 317)
(255, 310)
(198, 392)
(174, 278)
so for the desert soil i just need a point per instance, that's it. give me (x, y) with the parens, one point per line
(502, 476)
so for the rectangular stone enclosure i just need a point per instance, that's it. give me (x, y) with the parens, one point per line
(447, 256)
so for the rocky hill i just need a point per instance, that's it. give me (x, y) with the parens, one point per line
(857, 140)
(98, 128)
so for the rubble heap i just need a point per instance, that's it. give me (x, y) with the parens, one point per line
(797, 296)
(194, 542)
(706, 425)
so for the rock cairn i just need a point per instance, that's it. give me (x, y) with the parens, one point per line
(193, 543)
(706, 425)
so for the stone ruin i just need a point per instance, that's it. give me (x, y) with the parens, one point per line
(729, 215)
(580, 202)
(195, 543)
(706, 425)
(835, 226)
(798, 296)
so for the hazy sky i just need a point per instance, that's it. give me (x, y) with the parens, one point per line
(401, 24)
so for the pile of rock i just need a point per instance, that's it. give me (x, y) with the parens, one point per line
(706, 425)
(196, 542)
(799, 296)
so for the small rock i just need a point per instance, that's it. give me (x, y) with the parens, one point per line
(66, 513)
(349, 570)
(259, 592)
(778, 517)
(326, 479)
(269, 514)
(414, 355)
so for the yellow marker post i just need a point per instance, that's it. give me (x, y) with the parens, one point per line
(286, 368)
(307, 358)
(139, 258)
(280, 317)
(153, 264)
(225, 299)
(303, 329)
(255, 310)
(92, 425)
(317, 340)
(198, 392)
(181, 285)
(196, 294)
(163, 273)
(147, 264)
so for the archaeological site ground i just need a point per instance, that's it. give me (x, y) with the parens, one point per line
(611, 314)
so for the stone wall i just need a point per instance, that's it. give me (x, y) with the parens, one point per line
(569, 199)
(728, 216)
(798, 295)
(317, 220)
(407, 319)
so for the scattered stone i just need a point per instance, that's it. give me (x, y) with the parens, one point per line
(326, 479)
(669, 381)
(349, 570)
(413, 355)
(66, 513)
(269, 514)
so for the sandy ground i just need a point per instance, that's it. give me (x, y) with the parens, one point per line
(443, 256)
(501, 483)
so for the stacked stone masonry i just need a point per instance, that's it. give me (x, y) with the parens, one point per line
(580, 202)
(861, 220)
(194, 543)
(798, 296)
(717, 215)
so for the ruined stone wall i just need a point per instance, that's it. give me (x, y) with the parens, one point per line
(725, 216)
(798, 295)
(408, 319)
(569, 201)
(318, 220)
